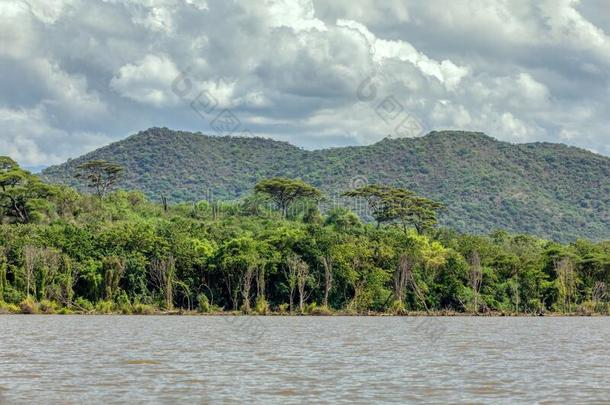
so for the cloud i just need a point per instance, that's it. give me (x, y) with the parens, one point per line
(38, 143)
(77, 74)
(147, 81)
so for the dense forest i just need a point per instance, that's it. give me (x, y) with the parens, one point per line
(273, 251)
(552, 191)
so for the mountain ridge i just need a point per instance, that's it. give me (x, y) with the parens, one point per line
(550, 190)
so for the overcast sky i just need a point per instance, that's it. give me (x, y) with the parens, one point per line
(76, 75)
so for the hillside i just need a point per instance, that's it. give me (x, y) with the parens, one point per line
(549, 190)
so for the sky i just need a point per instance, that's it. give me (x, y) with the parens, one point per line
(77, 74)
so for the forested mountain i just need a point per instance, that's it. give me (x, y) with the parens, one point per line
(549, 190)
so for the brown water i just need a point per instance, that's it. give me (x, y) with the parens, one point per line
(118, 359)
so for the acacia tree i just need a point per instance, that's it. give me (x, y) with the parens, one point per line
(398, 205)
(284, 192)
(101, 175)
(21, 192)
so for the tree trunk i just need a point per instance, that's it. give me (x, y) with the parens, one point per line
(246, 290)
(476, 278)
(301, 295)
(328, 277)
(401, 276)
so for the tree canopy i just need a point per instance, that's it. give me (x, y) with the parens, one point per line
(123, 253)
(390, 204)
(21, 193)
(484, 183)
(100, 175)
(284, 192)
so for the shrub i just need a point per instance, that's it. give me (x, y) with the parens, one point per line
(83, 304)
(261, 307)
(12, 295)
(6, 308)
(314, 309)
(125, 309)
(143, 309)
(203, 304)
(591, 307)
(48, 307)
(104, 307)
(28, 306)
(283, 308)
(397, 308)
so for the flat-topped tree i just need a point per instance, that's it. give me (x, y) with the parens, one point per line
(21, 192)
(100, 175)
(284, 192)
(390, 204)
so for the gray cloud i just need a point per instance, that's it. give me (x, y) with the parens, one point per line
(76, 74)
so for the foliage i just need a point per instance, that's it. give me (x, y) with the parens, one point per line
(284, 192)
(125, 254)
(21, 193)
(100, 175)
(390, 204)
(552, 191)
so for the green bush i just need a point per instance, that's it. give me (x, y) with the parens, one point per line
(397, 308)
(83, 304)
(261, 307)
(7, 308)
(203, 304)
(283, 308)
(314, 309)
(29, 306)
(104, 307)
(143, 309)
(48, 307)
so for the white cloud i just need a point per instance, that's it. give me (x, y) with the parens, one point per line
(69, 93)
(445, 71)
(32, 141)
(295, 14)
(147, 81)
(518, 70)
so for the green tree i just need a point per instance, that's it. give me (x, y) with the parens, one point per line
(21, 193)
(398, 205)
(240, 260)
(100, 175)
(284, 192)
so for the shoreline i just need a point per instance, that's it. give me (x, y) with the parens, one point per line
(414, 314)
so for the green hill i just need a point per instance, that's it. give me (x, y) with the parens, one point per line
(549, 190)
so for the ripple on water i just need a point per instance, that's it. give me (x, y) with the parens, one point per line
(75, 359)
(142, 362)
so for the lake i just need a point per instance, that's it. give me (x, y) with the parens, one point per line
(199, 359)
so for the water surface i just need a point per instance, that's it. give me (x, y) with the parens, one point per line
(162, 359)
